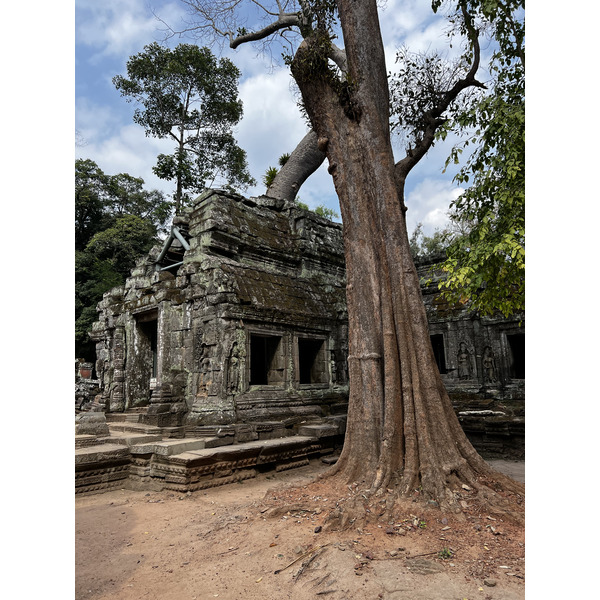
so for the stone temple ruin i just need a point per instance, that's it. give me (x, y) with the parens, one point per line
(224, 353)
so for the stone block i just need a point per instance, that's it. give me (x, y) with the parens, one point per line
(91, 424)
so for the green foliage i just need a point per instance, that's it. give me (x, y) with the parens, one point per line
(93, 277)
(122, 244)
(190, 97)
(101, 198)
(487, 266)
(116, 222)
(445, 553)
(328, 213)
(269, 176)
(423, 246)
(90, 201)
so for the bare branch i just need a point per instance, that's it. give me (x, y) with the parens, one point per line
(284, 21)
(222, 19)
(433, 118)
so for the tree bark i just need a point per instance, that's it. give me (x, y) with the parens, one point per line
(402, 431)
(302, 163)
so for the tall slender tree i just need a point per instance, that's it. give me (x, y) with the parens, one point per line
(188, 96)
(402, 434)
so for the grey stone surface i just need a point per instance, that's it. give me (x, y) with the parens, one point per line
(262, 279)
(93, 423)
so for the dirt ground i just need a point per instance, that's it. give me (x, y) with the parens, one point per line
(265, 539)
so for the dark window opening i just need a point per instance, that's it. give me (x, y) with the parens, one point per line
(437, 343)
(311, 361)
(516, 343)
(266, 360)
(149, 333)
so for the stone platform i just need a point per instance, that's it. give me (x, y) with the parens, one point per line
(138, 456)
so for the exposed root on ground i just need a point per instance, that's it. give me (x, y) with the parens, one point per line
(356, 504)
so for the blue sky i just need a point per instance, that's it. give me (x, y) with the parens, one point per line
(107, 33)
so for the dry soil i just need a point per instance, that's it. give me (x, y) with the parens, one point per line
(266, 538)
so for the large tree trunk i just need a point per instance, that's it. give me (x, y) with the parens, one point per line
(402, 431)
(303, 162)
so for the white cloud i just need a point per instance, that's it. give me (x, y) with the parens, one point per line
(121, 27)
(428, 203)
(93, 121)
(128, 151)
(271, 125)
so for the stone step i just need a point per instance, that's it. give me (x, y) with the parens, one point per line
(172, 447)
(85, 440)
(101, 468)
(143, 461)
(130, 438)
(264, 448)
(128, 417)
(319, 430)
(209, 467)
(122, 426)
(100, 453)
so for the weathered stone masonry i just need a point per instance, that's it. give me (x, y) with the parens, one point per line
(224, 353)
(247, 325)
(482, 363)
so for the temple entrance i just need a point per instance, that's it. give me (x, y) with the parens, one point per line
(516, 343)
(143, 364)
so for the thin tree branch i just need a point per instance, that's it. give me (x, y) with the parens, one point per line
(284, 21)
(433, 117)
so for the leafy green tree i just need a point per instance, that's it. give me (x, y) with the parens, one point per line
(93, 277)
(487, 264)
(122, 244)
(116, 222)
(429, 246)
(188, 96)
(127, 196)
(91, 215)
(101, 198)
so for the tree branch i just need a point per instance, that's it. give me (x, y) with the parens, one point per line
(284, 21)
(433, 117)
(338, 56)
(302, 163)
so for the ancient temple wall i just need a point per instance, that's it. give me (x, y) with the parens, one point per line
(251, 326)
(262, 281)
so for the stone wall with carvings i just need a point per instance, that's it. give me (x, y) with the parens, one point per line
(239, 317)
(482, 363)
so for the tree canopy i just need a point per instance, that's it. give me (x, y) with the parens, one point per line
(116, 222)
(188, 96)
(487, 264)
